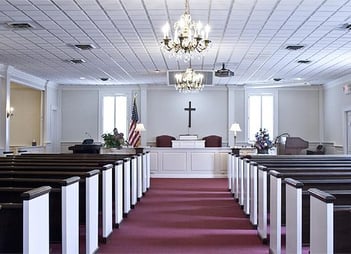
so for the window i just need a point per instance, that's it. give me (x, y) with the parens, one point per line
(260, 114)
(114, 114)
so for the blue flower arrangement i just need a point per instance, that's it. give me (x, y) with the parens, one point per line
(262, 140)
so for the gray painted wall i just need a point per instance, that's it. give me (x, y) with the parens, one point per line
(166, 114)
(163, 112)
(335, 103)
(298, 113)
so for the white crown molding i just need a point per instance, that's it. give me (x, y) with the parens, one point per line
(23, 78)
(339, 82)
(99, 88)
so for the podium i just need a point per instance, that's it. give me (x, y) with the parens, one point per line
(85, 148)
(292, 146)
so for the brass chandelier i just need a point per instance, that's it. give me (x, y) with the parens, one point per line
(189, 38)
(189, 81)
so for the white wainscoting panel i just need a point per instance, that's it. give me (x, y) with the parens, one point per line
(188, 162)
(174, 161)
(203, 161)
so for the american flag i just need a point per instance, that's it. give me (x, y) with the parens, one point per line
(133, 135)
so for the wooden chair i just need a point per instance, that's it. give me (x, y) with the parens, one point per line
(213, 141)
(164, 141)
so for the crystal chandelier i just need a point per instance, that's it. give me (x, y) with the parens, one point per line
(189, 81)
(189, 38)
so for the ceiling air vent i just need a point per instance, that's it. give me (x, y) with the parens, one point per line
(207, 80)
(346, 26)
(20, 25)
(84, 46)
(77, 61)
(304, 61)
(294, 47)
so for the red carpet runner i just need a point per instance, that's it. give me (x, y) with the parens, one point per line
(186, 216)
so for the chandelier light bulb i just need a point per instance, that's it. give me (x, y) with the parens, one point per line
(166, 29)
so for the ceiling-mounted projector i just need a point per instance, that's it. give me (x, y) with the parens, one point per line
(222, 73)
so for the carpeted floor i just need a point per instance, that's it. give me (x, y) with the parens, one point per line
(186, 216)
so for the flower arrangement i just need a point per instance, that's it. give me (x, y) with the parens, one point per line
(262, 140)
(114, 140)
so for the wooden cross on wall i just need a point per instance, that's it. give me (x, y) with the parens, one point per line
(189, 109)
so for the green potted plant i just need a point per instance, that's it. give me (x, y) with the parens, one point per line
(110, 141)
(113, 140)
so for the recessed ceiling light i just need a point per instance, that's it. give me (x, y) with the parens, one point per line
(304, 61)
(82, 78)
(294, 47)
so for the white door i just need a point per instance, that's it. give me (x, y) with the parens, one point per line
(348, 132)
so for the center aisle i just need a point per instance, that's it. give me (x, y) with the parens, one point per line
(186, 216)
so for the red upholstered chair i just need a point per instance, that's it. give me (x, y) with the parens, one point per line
(164, 141)
(213, 141)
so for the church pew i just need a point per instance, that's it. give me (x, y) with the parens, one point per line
(241, 171)
(298, 208)
(256, 157)
(107, 180)
(132, 173)
(251, 170)
(21, 218)
(263, 197)
(145, 162)
(105, 189)
(138, 170)
(277, 200)
(258, 184)
(330, 224)
(64, 222)
(143, 165)
(88, 205)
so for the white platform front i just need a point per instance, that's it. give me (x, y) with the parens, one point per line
(188, 143)
(189, 162)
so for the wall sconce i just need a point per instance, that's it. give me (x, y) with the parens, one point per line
(235, 128)
(10, 112)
